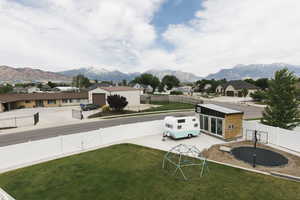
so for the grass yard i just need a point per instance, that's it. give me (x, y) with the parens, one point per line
(132, 172)
(165, 106)
(169, 106)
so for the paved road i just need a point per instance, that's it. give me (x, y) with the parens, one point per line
(14, 138)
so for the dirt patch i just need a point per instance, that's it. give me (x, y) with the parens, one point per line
(292, 168)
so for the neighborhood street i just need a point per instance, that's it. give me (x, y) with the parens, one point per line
(20, 137)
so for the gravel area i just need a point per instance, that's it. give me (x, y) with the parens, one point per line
(292, 168)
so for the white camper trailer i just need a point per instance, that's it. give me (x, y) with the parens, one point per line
(181, 127)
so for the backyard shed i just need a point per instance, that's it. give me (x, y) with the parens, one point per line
(220, 121)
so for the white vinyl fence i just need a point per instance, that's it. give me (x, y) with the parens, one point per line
(15, 156)
(276, 136)
(5, 196)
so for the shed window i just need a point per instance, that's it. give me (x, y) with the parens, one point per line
(231, 126)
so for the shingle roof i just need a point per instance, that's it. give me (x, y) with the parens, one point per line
(97, 85)
(220, 109)
(117, 89)
(239, 84)
(6, 98)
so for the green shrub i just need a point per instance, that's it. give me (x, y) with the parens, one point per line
(259, 96)
(176, 93)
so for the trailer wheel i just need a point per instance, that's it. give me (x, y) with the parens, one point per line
(190, 136)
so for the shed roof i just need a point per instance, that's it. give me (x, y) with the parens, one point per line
(6, 98)
(220, 109)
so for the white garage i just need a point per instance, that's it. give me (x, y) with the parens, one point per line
(99, 95)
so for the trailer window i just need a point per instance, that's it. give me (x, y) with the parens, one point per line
(194, 120)
(169, 126)
(180, 121)
(179, 127)
(195, 125)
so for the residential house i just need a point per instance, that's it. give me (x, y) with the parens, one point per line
(186, 90)
(67, 89)
(144, 88)
(15, 101)
(235, 88)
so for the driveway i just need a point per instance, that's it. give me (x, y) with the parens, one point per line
(48, 116)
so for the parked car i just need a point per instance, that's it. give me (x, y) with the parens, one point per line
(87, 107)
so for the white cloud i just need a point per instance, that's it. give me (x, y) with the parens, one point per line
(230, 32)
(71, 33)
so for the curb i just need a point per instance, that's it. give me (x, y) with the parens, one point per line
(145, 113)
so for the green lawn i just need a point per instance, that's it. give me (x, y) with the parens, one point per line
(164, 107)
(132, 172)
(169, 106)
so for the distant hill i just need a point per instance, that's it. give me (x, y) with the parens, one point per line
(28, 74)
(106, 75)
(100, 74)
(182, 76)
(253, 71)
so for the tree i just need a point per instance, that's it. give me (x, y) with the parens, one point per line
(52, 85)
(147, 79)
(245, 92)
(124, 82)
(250, 80)
(282, 105)
(6, 89)
(258, 96)
(170, 81)
(117, 102)
(262, 83)
(81, 81)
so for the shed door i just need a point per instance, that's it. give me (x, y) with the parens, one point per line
(99, 99)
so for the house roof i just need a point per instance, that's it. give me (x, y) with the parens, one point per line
(220, 109)
(97, 85)
(240, 84)
(117, 89)
(6, 98)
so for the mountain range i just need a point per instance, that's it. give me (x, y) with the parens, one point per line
(29, 74)
(237, 72)
(106, 75)
(253, 71)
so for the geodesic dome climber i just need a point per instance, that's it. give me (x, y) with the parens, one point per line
(185, 160)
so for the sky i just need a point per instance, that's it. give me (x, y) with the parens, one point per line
(198, 36)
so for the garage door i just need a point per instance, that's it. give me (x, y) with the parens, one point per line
(99, 99)
(230, 93)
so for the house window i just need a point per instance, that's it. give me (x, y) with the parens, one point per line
(71, 100)
(51, 101)
(65, 100)
(27, 101)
